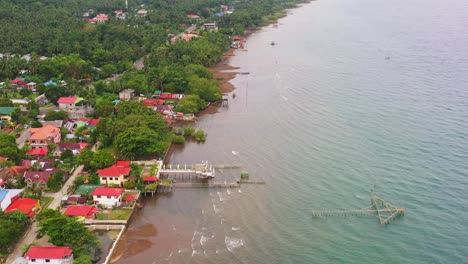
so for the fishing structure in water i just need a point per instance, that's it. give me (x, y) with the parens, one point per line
(385, 211)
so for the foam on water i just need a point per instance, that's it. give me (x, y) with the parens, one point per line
(233, 243)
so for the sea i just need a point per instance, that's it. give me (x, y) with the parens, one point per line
(356, 97)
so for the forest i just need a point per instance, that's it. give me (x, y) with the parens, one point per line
(96, 60)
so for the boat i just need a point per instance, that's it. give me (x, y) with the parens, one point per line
(272, 43)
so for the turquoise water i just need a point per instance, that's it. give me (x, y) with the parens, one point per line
(356, 96)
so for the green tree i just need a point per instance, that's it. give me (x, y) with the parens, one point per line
(9, 149)
(36, 124)
(190, 104)
(86, 157)
(208, 90)
(102, 159)
(56, 115)
(77, 235)
(67, 154)
(83, 259)
(138, 141)
(47, 213)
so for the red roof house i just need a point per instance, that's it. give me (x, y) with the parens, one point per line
(38, 152)
(116, 174)
(123, 163)
(101, 18)
(67, 100)
(104, 191)
(87, 211)
(27, 206)
(49, 254)
(93, 122)
(153, 102)
(108, 197)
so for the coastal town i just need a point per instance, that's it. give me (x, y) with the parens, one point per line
(82, 142)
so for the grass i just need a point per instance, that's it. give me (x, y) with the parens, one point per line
(117, 214)
(45, 201)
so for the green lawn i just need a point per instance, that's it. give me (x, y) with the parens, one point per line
(45, 201)
(117, 214)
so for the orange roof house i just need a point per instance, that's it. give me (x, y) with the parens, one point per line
(43, 136)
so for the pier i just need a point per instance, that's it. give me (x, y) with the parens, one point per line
(201, 171)
(384, 211)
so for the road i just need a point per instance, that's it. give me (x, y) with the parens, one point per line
(30, 236)
(64, 191)
(24, 136)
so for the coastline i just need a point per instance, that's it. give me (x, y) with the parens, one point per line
(223, 73)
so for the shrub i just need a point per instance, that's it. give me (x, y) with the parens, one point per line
(200, 136)
(129, 185)
(188, 131)
(178, 140)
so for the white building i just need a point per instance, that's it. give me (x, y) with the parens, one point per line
(8, 196)
(49, 255)
(108, 197)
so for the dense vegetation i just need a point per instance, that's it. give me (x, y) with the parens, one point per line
(12, 226)
(77, 235)
(85, 55)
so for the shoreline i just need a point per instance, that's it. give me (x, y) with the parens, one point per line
(223, 73)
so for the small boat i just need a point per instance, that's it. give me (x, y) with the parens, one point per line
(272, 43)
(244, 73)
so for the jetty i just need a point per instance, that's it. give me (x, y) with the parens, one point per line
(202, 170)
(384, 211)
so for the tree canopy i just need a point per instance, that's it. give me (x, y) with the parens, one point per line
(67, 231)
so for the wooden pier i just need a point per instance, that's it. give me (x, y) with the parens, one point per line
(385, 211)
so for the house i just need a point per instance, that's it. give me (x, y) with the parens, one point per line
(13, 173)
(43, 136)
(150, 179)
(38, 178)
(68, 103)
(127, 95)
(193, 16)
(108, 197)
(27, 206)
(76, 107)
(93, 123)
(31, 86)
(116, 174)
(8, 196)
(164, 109)
(120, 14)
(24, 101)
(170, 96)
(50, 255)
(74, 199)
(153, 102)
(188, 36)
(86, 211)
(210, 26)
(41, 99)
(101, 18)
(76, 148)
(19, 83)
(38, 152)
(142, 12)
(5, 113)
